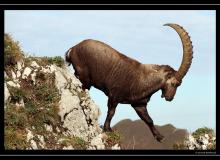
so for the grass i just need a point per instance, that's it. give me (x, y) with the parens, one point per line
(15, 123)
(45, 61)
(77, 142)
(202, 131)
(17, 94)
(41, 106)
(12, 51)
(113, 138)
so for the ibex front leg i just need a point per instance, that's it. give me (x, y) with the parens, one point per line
(143, 114)
(111, 111)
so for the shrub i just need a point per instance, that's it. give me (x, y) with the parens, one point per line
(12, 51)
(202, 131)
(57, 60)
(113, 138)
(17, 94)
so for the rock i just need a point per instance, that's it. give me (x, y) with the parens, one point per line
(68, 147)
(13, 84)
(20, 65)
(48, 128)
(34, 64)
(6, 93)
(204, 147)
(20, 104)
(49, 69)
(52, 68)
(29, 135)
(26, 73)
(33, 76)
(207, 136)
(5, 75)
(202, 142)
(13, 75)
(97, 142)
(116, 147)
(58, 130)
(42, 142)
(18, 74)
(33, 144)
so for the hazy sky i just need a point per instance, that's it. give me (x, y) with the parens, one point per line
(142, 36)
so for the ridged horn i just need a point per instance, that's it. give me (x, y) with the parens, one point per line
(187, 50)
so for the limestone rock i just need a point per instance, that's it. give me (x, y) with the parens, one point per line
(48, 128)
(26, 73)
(13, 84)
(13, 75)
(20, 65)
(6, 92)
(5, 75)
(18, 74)
(97, 142)
(33, 144)
(68, 147)
(33, 76)
(116, 147)
(29, 135)
(34, 64)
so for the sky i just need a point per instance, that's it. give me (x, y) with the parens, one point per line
(139, 35)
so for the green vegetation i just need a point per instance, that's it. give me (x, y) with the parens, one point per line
(41, 104)
(44, 61)
(58, 60)
(113, 138)
(202, 131)
(15, 124)
(12, 51)
(17, 94)
(77, 142)
(196, 134)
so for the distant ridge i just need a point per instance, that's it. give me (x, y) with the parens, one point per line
(136, 135)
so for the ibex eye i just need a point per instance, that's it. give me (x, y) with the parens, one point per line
(173, 84)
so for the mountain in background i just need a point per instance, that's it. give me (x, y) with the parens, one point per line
(137, 135)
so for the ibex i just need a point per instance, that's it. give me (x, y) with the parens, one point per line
(125, 80)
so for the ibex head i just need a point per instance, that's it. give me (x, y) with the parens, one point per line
(174, 78)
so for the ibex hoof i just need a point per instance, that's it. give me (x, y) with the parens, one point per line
(160, 138)
(107, 129)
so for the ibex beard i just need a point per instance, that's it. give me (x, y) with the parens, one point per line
(125, 80)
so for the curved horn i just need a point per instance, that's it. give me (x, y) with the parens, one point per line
(187, 51)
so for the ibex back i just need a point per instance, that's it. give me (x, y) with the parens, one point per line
(125, 80)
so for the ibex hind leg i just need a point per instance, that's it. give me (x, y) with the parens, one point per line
(143, 114)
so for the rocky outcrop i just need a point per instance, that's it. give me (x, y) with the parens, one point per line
(78, 125)
(202, 142)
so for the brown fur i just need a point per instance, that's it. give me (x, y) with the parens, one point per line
(122, 79)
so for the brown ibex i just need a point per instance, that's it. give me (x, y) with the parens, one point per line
(125, 80)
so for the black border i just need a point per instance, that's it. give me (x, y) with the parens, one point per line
(108, 7)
